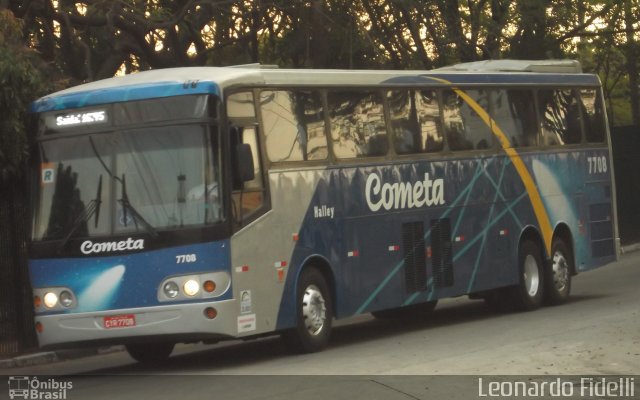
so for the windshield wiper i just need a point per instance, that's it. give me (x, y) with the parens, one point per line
(126, 205)
(93, 209)
(124, 201)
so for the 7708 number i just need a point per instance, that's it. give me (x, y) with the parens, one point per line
(597, 164)
(186, 258)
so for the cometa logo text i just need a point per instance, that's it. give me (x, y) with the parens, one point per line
(400, 195)
(88, 247)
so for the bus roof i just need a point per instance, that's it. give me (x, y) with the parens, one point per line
(214, 80)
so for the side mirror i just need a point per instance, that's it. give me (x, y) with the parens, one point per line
(245, 171)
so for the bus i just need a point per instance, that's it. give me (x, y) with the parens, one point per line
(210, 203)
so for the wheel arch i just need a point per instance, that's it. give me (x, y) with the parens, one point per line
(563, 232)
(532, 234)
(320, 263)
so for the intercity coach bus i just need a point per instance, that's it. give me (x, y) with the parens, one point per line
(210, 203)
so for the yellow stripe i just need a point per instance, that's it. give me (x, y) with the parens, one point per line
(521, 168)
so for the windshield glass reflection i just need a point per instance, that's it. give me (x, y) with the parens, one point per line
(153, 179)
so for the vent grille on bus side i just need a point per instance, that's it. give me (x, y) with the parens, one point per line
(442, 252)
(601, 227)
(415, 260)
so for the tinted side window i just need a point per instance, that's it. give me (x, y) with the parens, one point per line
(293, 125)
(593, 111)
(415, 120)
(464, 128)
(514, 112)
(560, 116)
(357, 124)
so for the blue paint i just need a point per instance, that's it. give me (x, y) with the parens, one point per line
(549, 79)
(120, 94)
(141, 276)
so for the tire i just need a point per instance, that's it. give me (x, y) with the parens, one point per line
(527, 295)
(558, 273)
(150, 353)
(412, 311)
(314, 314)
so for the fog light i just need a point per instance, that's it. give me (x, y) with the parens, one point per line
(210, 312)
(191, 287)
(171, 289)
(50, 300)
(66, 298)
(209, 286)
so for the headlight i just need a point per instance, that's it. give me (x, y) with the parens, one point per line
(171, 289)
(191, 287)
(54, 299)
(66, 298)
(50, 300)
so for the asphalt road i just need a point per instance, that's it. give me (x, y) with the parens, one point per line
(596, 332)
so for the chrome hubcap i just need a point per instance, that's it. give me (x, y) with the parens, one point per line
(560, 268)
(313, 310)
(531, 275)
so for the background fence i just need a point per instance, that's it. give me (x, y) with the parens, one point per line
(626, 162)
(17, 332)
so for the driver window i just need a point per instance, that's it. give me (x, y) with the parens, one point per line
(248, 197)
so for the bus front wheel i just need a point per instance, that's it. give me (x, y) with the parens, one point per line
(150, 353)
(558, 273)
(314, 314)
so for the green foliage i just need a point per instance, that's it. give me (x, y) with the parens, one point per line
(94, 40)
(20, 83)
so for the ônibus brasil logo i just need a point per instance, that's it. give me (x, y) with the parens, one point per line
(24, 387)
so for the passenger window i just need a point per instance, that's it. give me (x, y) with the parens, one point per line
(514, 112)
(560, 117)
(240, 105)
(248, 197)
(293, 125)
(464, 128)
(593, 111)
(415, 121)
(357, 124)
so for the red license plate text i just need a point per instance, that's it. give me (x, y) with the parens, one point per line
(120, 321)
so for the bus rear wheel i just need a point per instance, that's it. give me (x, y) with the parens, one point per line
(314, 314)
(527, 295)
(150, 353)
(558, 273)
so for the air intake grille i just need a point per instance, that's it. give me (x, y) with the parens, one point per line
(415, 260)
(601, 227)
(442, 252)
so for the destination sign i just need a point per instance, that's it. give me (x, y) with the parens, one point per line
(85, 118)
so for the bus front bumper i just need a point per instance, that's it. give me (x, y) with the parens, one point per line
(177, 322)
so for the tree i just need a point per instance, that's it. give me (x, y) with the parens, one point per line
(21, 81)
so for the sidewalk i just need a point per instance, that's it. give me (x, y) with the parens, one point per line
(62, 355)
(55, 356)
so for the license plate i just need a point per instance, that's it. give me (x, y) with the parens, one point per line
(120, 321)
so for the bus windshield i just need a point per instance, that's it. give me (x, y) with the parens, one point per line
(133, 180)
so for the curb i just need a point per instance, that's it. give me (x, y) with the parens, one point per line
(630, 248)
(55, 356)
